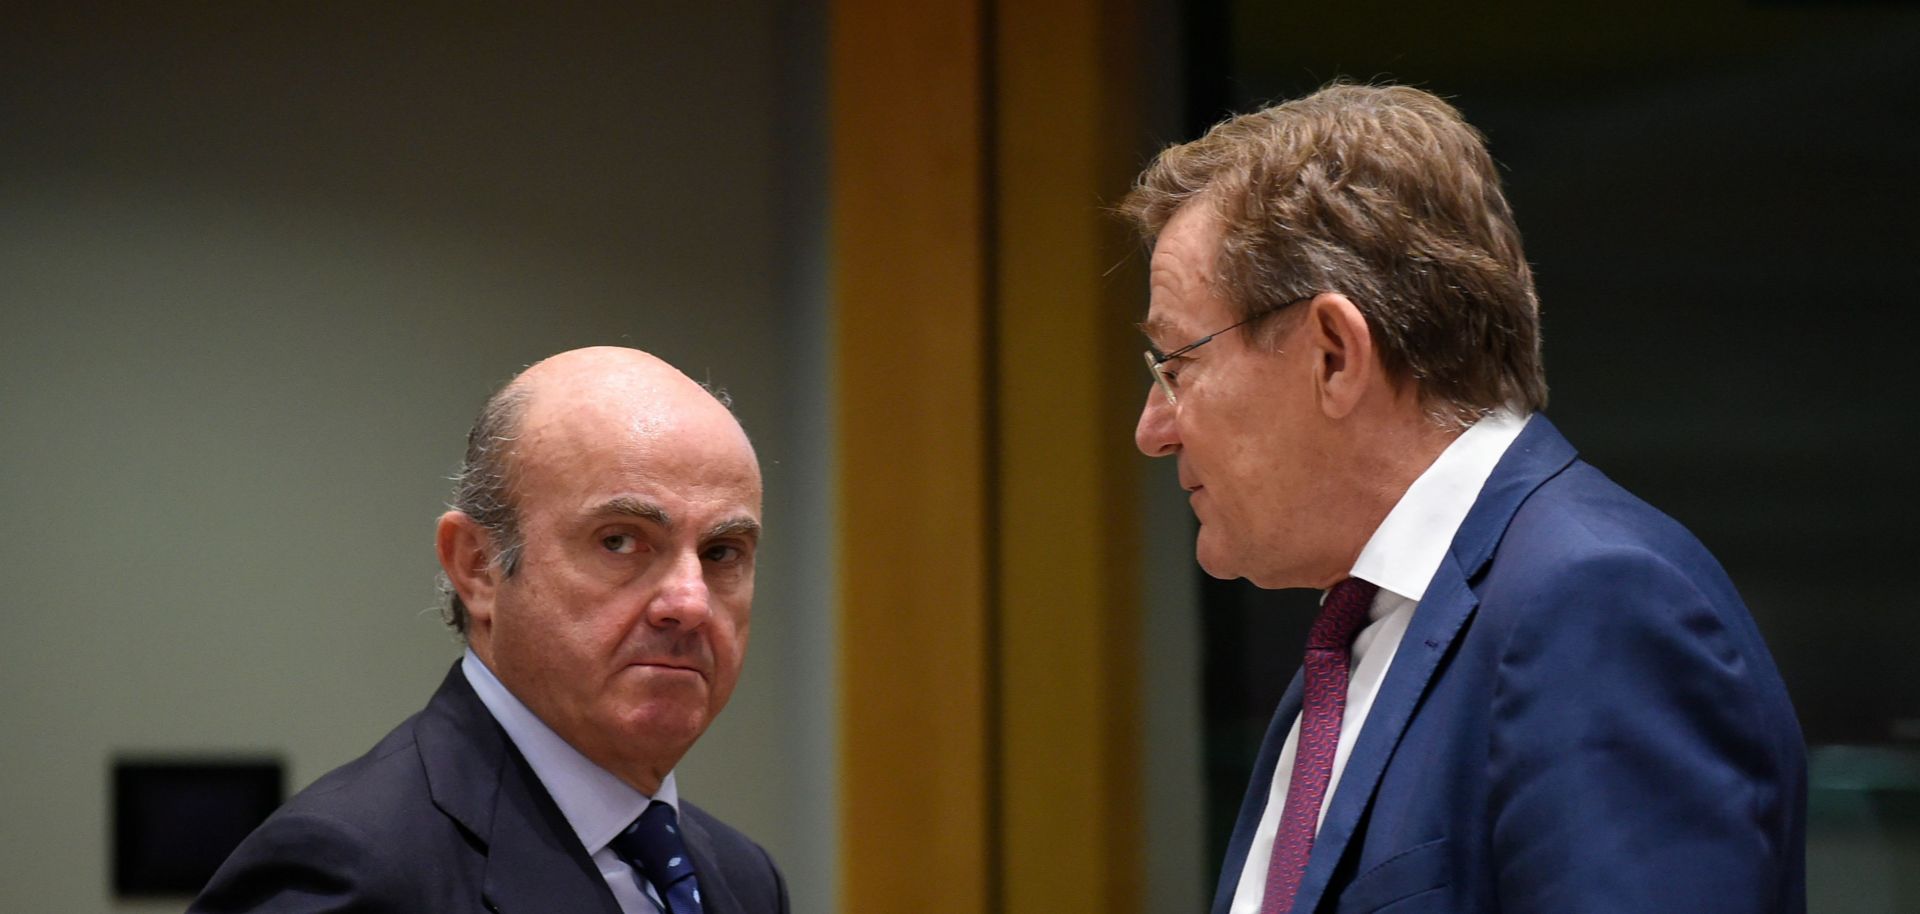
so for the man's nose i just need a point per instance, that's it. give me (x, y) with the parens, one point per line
(683, 600)
(1155, 434)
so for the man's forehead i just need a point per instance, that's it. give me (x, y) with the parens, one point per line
(1181, 286)
(588, 455)
(676, 496)
(1177, 311)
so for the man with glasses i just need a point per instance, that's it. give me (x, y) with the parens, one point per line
(1526, 690)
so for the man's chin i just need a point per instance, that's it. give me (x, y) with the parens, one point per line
(1214, 558)
(1227, 561)
(664, 723)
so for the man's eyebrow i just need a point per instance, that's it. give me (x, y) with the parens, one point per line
(737, 526)
(629, 506)
(1155, 326)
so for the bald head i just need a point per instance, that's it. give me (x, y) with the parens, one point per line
(593, 413)
(584, 396)
(562, 403)
(605, 572)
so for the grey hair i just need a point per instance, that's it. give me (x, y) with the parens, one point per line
(482, 490)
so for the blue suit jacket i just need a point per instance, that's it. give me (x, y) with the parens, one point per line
(445, 816)
(1581, 717)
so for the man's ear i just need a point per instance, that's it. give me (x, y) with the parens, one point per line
(466, 555)
(1344, 362)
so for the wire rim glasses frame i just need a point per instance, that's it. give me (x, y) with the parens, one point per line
(1156, 361)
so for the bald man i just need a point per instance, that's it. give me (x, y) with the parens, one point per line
(598, 562)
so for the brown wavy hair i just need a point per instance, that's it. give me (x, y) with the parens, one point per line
(1386, 195)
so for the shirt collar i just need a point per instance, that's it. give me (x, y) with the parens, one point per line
(596, 803)
(1406, 549)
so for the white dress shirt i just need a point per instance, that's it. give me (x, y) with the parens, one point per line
(1401, 557)
(598, 805)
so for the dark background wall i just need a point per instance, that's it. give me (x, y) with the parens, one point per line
(1719, 201)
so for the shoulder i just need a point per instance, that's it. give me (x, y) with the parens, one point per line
(306, 860)
(1593, 590)
(1583, 509)
(1580, 533)
(380, 792)
(1631, 706)
(347, 840)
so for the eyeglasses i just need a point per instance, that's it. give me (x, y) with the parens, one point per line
(1156, 362)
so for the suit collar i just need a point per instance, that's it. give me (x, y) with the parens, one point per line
(1407, 548)
(1538, 455)
(534, 861)
(462, 750)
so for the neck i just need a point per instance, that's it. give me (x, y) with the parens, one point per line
(1383, 452)
(643, 778)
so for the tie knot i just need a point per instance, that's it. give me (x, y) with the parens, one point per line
(653, 844)
(1342, 614)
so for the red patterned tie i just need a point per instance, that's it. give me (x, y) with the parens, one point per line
(1341, 616)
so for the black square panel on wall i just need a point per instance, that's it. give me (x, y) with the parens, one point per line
(176, 820)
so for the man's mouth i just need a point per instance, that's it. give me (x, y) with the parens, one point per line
(669, 665)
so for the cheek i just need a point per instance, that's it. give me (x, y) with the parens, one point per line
(733, 605)
(1235, 465)
(727, 636)
(730, 637)
(569, 627)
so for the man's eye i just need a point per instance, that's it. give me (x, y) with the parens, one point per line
(622, 543)
(724, 553)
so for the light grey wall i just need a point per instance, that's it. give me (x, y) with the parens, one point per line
(259, 267)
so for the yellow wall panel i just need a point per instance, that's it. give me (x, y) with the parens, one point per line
(910, 293)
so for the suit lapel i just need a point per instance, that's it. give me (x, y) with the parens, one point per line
(534, 861)
(1536, 456)
(716, 897)
(1436, 623)
(461, 749)
(1259, 788)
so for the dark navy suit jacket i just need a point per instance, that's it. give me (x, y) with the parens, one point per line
(1581, 718)
(445, 816)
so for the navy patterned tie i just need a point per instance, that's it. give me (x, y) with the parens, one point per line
(652, 846)
(1329, 646)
